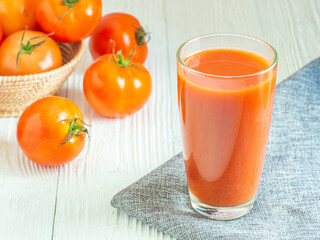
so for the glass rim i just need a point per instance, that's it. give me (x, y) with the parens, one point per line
(263, 71)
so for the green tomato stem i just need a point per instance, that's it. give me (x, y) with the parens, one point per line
(28, 48)
(141, 35)
(121, 62)
(76, 129)
(70, 4)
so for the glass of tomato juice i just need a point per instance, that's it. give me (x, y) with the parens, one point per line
(226, 86)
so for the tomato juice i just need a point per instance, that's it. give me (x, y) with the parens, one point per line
(225, 99)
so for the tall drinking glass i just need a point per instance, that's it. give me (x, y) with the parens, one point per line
(226, 88)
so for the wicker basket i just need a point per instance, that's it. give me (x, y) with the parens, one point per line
(18, 92)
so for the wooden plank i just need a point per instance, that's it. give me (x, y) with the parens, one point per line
(120, 151)
(27, 190)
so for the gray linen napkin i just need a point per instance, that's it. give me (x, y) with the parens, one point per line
(288, 201)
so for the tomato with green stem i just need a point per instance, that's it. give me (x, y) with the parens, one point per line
(116, 87)
(126, 31)
(70, 20)
(51, 131)
(15, 15)
(29, 52)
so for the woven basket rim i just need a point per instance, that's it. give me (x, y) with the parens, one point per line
(51, 72)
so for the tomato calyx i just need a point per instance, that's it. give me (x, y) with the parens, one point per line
(70, 4)
(75, 129)
(121, 62)
(28, 48)
(141, 35)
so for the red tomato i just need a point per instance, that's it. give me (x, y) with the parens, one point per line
(1, 34)
(16, 14)
(50, 131)
(116, 88)
(44, 57)
(70, 20)
(127, 33)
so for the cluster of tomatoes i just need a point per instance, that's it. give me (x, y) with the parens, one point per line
(51, 131)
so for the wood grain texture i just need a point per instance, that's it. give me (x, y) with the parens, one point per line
(72, 201)
(120, 150)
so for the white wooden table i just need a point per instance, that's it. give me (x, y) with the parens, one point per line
(73, 201)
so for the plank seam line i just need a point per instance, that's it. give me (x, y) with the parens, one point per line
(169, 68)
(56, 199)
(55, 205)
